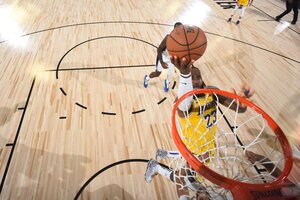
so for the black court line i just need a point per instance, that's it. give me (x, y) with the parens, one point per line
(104, 67)
(21, 108)
(227, 7)
(108, 113)
(134, 22)
(238, 139)
(80, 105)
(9, 144)
(252, 45)
(161, 100)
(92, 23)
(98, 38)
(174, 84)
(62, 117)
(106, 168)
(274, 19)
(62, 90)
(139, 111)
(16, 138)
(266, 20)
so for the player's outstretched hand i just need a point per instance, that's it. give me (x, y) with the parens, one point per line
(245, 91)
(181, 64)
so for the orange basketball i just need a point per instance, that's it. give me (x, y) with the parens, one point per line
(187, 41)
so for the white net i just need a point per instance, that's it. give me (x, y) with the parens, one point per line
(238, 145)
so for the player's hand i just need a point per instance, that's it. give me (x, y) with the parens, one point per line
(181, 64)
(245, 91)
(164, 65)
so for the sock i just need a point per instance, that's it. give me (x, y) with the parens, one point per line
(147, 78)
(166, 172)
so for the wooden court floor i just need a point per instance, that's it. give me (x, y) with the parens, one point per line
(72, 95)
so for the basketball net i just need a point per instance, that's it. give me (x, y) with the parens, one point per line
(228, 154)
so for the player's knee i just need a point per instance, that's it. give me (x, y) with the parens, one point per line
(157, 73)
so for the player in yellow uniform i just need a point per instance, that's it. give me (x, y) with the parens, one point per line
(197, 120)
(242, 4)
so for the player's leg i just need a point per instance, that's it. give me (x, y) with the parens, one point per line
(154, 168)
(295, 9)
(233, 12)
(289, 7)
(170, 72)
(153, 74)
(243, 9)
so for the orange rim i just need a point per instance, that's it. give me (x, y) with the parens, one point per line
(228, 183)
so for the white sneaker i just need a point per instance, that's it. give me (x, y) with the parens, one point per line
(160, 154)
(151, 170)
(146, 81)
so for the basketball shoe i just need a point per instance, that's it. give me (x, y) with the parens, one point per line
(152, 169)
(146, 81)
(160, 154)
(166, 85)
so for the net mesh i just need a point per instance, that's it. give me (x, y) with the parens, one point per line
(238, 145)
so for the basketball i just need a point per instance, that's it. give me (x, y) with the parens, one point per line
(187, 41)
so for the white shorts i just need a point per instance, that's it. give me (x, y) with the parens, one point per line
(166, 59)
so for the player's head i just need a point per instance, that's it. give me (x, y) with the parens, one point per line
(196, 78)
(177, 24)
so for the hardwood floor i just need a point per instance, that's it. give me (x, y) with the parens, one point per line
(73, 101)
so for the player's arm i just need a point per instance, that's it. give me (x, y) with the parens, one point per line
(160, 50)
(185, 83)
(245, 91)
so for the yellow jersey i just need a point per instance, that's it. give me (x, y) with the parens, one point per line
(199, 128)
(243, 2)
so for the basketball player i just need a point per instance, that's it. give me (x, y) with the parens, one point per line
(290, 4)
(242, 4)
(188, 111)
(162, 61)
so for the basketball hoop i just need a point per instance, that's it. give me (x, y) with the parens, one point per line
(226, 163)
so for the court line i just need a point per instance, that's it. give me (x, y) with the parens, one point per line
(16, 138)
(108, 113)
(80, 105)
(91, 23)
(258, 47)
(62, 90)
(104, 67)
(98, 38)
(162, 100)
(139, 111)
(273, 18)
(150, 23)
(106, 168)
